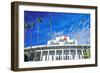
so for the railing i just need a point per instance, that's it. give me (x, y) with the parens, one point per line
(53, 53)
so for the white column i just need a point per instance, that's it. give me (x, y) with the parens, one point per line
(69, 55)
(82, 57)
(55, 55)
(35, 55)
(62, 54)
(76, 56)
(48, 56)
(41, 55)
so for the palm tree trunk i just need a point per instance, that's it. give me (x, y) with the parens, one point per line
(31, 38)
(37, 33)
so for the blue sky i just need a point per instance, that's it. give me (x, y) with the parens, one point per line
(74, 25)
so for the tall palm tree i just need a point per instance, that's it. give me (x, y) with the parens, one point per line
(26, 27)
(32, 25)
(38, 20)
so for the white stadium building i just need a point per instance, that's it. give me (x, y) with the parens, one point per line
(59, 48)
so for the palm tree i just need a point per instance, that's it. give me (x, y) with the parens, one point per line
(29, 26)
(32, 25)
(26, 27)
(38, 20)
